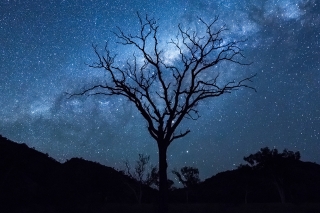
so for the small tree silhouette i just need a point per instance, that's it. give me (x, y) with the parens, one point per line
(141, 174)
(274, 165)
(166, 93)
(189, 177)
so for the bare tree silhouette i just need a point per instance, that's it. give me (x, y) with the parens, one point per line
(165, 93)
(143, 175)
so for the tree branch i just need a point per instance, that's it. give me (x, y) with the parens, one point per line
(165, 94)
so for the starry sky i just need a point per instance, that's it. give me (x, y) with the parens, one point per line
(45, 47)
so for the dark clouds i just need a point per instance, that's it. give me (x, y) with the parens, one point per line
(44, 47)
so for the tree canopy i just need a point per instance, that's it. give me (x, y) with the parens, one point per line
(271, 157)
(275, 166)
(188, 176)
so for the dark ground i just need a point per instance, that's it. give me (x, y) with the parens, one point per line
(216, 208)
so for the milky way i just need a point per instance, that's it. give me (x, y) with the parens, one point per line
(45, 47)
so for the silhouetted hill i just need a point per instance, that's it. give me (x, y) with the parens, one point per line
(31, 181)
(301, 185)
(25, 175)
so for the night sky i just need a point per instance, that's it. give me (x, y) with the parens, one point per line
(45, 47)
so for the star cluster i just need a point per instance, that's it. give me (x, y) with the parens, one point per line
(45, 47)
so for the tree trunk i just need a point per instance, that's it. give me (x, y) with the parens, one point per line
(246, 197)
(163, 189)
(246, 194)
(187, 195)
(281, 192)
(282, 195)
(140, 193)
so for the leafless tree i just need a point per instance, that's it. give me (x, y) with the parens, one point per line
(141, 174)
(166, 92)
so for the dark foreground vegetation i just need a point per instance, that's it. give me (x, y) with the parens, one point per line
(216, 208)
(31, 181)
